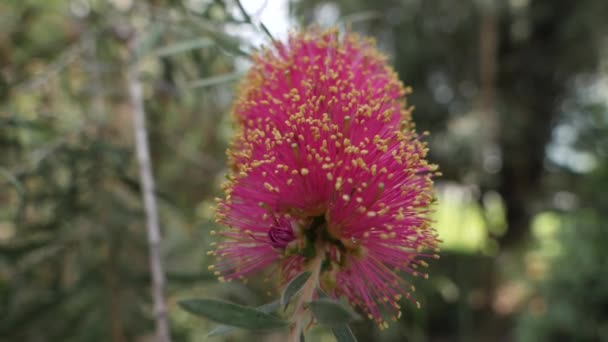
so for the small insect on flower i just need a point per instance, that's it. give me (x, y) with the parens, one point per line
(327, 174)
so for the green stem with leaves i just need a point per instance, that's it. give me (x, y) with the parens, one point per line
(308, 290)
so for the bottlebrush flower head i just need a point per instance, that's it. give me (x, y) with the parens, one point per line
(326, 164)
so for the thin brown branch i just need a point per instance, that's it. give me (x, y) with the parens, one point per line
(148, 190)
(248, 20)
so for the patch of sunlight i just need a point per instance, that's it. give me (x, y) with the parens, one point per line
(495, 213)
(459, 221)
(546, 225)
(545, 228)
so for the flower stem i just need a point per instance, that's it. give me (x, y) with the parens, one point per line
(308, 291)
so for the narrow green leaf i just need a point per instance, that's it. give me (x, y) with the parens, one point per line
(332, 313)
(267, 31)
(12, 179)
(149, 40)
(293, 287)
(184, 46)
(226, 329)
(344, 334)
(360, 17)
(215, 80)
(269, 307)
(232, 314)
(221, 330)
(228, 43)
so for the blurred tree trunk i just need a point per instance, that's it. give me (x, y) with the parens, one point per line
(530, 82)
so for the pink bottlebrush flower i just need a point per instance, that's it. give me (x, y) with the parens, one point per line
(326, 164)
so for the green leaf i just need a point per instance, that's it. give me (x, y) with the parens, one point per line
(12, 179)
(344, 334)
(294, 286)
(269, 307)
(228, 43)
(332, 313)
(232, 314)
(184, 46)
(360, 17)
(221, 330)
(149, 40)
(226, 329)
(215, 80)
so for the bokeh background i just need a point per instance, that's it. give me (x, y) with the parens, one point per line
(514, 93)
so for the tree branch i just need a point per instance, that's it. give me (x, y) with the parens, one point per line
(147, 181)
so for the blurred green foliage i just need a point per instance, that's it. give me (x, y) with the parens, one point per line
(570, 303)
(513, 92)
(73, 252)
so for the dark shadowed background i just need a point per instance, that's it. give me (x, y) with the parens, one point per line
(513, 92)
